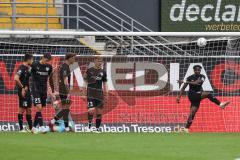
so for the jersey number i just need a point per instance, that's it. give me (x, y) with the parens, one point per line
(25, 104)
(37, 100)
(90, 104)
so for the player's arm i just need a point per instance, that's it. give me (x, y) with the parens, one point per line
(17, 79)
(19, 83)
(86, 77)
(85, 83)
(105, 83)
(105, 87)
(197, 82)
(51, 82)
(65, 78)
(181, 92)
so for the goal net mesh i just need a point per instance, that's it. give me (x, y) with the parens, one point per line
(142, 74)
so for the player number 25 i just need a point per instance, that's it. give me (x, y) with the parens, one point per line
(37, 100)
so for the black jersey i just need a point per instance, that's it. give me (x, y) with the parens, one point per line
(40, 74)
(195, 88)
(24, 73)
(63, 73)
(95, 78)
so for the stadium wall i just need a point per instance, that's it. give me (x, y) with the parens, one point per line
(145, 12)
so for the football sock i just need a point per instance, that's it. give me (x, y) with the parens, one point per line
(190, 120)
(35, 123)
(40, 119)
(98, 121)
(65, 116)
(20, 121)
(29, 120)
(90, 118)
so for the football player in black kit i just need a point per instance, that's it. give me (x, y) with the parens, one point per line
(41, 72)
(24, 96)
(196, 94)
(64, 90)
(95, 77)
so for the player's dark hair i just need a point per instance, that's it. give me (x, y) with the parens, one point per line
(47, 56)
(197, 66)
(69, 55)
(27, 57)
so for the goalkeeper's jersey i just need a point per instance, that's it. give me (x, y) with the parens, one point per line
(61, 126)
(195, 88)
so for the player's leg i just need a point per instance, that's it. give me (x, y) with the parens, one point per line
(191, 116)
(64, 112)
(20, 118)
(91, 110)
(39, 102)
(99, 111)
(20, 112)
(66, 103)
(195, 99)
(213, 99)
(29, 110)
(29, 117)
(71, 122)
(58, 109)
(38, 116)
(40, 107)
(58, 113)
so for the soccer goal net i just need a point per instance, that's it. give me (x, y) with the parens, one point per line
(142, 72)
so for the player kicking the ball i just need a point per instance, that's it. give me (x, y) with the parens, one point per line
(95, 77)
(25, 102)
(64, 89)
(196, 94)
(41, 72)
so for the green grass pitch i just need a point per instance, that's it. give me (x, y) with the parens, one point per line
(130, 146)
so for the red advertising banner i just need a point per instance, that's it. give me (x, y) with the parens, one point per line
(142, 94)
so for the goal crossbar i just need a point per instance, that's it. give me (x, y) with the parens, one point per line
(80, 33)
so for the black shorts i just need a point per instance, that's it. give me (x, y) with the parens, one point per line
(195, 98)
(64, 99)
(95, 103)
(25, 102)
(39, 98)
